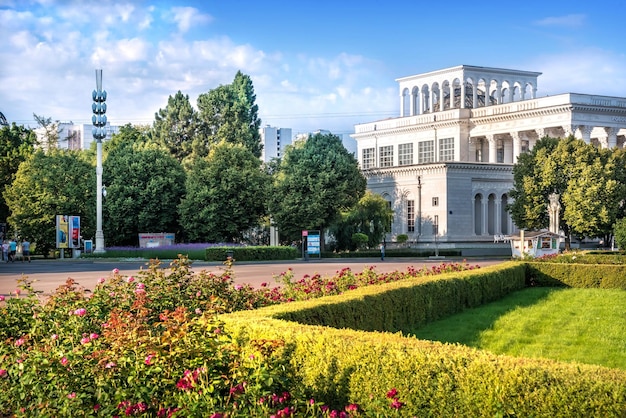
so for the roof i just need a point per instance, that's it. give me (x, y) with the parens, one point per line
(535, 234)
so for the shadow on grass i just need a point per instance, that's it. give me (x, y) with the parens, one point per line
(465, 327)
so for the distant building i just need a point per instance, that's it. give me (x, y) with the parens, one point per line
(73, 136)
(445, 163)
(274, 141)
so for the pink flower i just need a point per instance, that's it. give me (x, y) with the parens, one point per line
(110, 365)
(93, 336)
(71, 395)
(101, 280)
(80, 312)
(140, 291)
(54, 337)
(141, 286)
(85, 340)
(1, 298)
(238, 287)
(148, 359)
(116, 271)
(130, 279)
(19, 342)
(64, 361)
(18, 291)
(3, 373)
(198, 311)
(392, 393)
(396, 404)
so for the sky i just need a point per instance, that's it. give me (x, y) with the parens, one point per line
(323, 64)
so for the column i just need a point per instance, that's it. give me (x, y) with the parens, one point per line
(497, 208)
(541, 132)
(432, 99)
(462, 98)
(402, 114)
(568, 130)
(485, 214)
(493, 148)
(474, 96)
(471, 149)
(517, 145)
(508, 151)
(585, 131)
(611, 134)
(411, 103)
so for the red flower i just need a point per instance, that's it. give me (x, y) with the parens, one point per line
(392, 393)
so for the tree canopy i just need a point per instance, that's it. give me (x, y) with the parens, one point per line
(317, 180)
(176, 126)
(587, 179)
(145, 184)
(226, 194)
(60, 182)
(16, 145)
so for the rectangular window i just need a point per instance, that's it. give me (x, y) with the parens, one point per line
(436, 225)
(369, 158)
(410, 215)
(386, 156)
(446, 149)
(500, 156)
(435, 201)
(405, 154)
(425, 152)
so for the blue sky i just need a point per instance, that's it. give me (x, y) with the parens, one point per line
(314, 64)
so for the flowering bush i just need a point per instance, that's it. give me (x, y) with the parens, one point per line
(152, 345)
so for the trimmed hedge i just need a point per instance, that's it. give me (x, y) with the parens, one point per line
(396, 252)
(258, 253)
(607, 276)
(345, 366)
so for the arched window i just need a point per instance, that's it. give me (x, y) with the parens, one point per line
(491, 214)
(478, 214)
(504, 215)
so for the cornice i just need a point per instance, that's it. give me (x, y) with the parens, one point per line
(436, 167)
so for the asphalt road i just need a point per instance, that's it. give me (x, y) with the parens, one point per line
(47, 275)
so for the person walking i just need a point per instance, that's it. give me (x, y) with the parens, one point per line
(25, 250)
(5, 251)
(12, 250)
(382, 251)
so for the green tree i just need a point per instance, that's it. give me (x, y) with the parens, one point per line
(176, 126)
(585, 179)
(317, 180)
(619, 231)
(16, 145)
(229, 113)
(60, 182)
(144, 186)
(50, 131)
(226, 194)
(370, 216)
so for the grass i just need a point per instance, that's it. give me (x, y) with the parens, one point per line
(572, 325)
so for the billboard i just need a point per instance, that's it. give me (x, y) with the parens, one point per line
(68, 231)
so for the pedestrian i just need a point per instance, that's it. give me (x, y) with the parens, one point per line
(25, 250)
(5, 251)
(382, 251)
(12, 250)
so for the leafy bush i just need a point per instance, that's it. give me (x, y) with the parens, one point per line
(252, 253)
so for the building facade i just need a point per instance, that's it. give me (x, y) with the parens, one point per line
(274, 141)
(73, 136)
(445, 164)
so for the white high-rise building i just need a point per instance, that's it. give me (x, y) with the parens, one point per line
(73, 136)
(445, 163)
(274, 141)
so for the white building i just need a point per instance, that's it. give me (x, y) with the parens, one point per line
(445, 164)
(274, 141)
(74, 136)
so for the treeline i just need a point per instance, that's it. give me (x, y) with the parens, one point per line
(195, 173)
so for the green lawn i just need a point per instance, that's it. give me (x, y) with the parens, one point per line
(581, 325)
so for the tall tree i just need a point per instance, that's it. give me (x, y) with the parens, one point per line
(226, 195)
(317, 180)
(57, 183)
(144, 186)
(50, 131)
(229, 113)
(16, 145)
(176, 126)
(370, 216)
(579, 173)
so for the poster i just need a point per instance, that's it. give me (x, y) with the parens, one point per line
(63, 229)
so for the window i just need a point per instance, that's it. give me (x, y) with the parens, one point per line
(368, 158)
(425, 152)
(435, 201)
(500, 156)
(446, 149)
(436, 225)
(405, 154)
(386, 156)
(410, 215)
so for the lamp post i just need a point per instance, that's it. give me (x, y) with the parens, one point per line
(99, 120)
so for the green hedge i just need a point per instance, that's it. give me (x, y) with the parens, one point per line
(344, 366)
(608, 276)
(406, 304)
(259, 253)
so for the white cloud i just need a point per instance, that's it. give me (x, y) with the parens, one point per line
(572, 20)
(186, 17)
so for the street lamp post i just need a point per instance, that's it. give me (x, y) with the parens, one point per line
(99, 120)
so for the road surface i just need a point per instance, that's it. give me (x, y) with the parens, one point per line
(47, 275)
